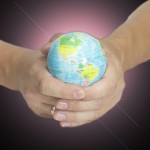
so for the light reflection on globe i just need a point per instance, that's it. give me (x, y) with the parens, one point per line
(77, 58)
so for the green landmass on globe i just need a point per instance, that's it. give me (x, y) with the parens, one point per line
(77, 58)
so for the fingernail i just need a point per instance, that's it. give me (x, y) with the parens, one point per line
(62, 105)
(65, 124)
(78, 94)
(60, 117)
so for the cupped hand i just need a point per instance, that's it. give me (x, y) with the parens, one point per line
(100, 97)
(40, 90)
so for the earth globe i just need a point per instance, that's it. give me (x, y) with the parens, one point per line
(77, 58)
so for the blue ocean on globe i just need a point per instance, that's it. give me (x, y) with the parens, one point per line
(77, 58)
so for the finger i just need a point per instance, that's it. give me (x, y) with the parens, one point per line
(42, 110)
(53, 87)
(83, 105)
(78, 105)
(55, 36)
(46, 111)
(38, 98)
(45, 48)
(104, 87)
(109, 102)
(116, 98)
(70, 118)
(84, 117)
(71, 124)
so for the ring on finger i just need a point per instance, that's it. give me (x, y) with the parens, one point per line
(53, 109)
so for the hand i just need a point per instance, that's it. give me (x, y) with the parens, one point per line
(38, 87)
(100, 97)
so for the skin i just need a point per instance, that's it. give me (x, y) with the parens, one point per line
(99, 98)
(25, 70)
(125, 48)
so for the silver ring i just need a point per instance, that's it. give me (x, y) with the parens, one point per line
(53, 109)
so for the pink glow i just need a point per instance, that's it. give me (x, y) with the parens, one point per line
(98, 20)
(91, 19)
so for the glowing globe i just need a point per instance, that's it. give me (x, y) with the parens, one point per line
(77, 58)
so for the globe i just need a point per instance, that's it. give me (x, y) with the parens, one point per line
(77, 58)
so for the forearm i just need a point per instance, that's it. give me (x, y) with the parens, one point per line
(131, 41)
(8, 56)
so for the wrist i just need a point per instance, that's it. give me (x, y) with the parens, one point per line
(9, 60)
(20, 66)
(112, 49)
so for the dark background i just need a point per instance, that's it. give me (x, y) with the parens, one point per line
(32, 23)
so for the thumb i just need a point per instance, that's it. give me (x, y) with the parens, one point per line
(45, 48)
